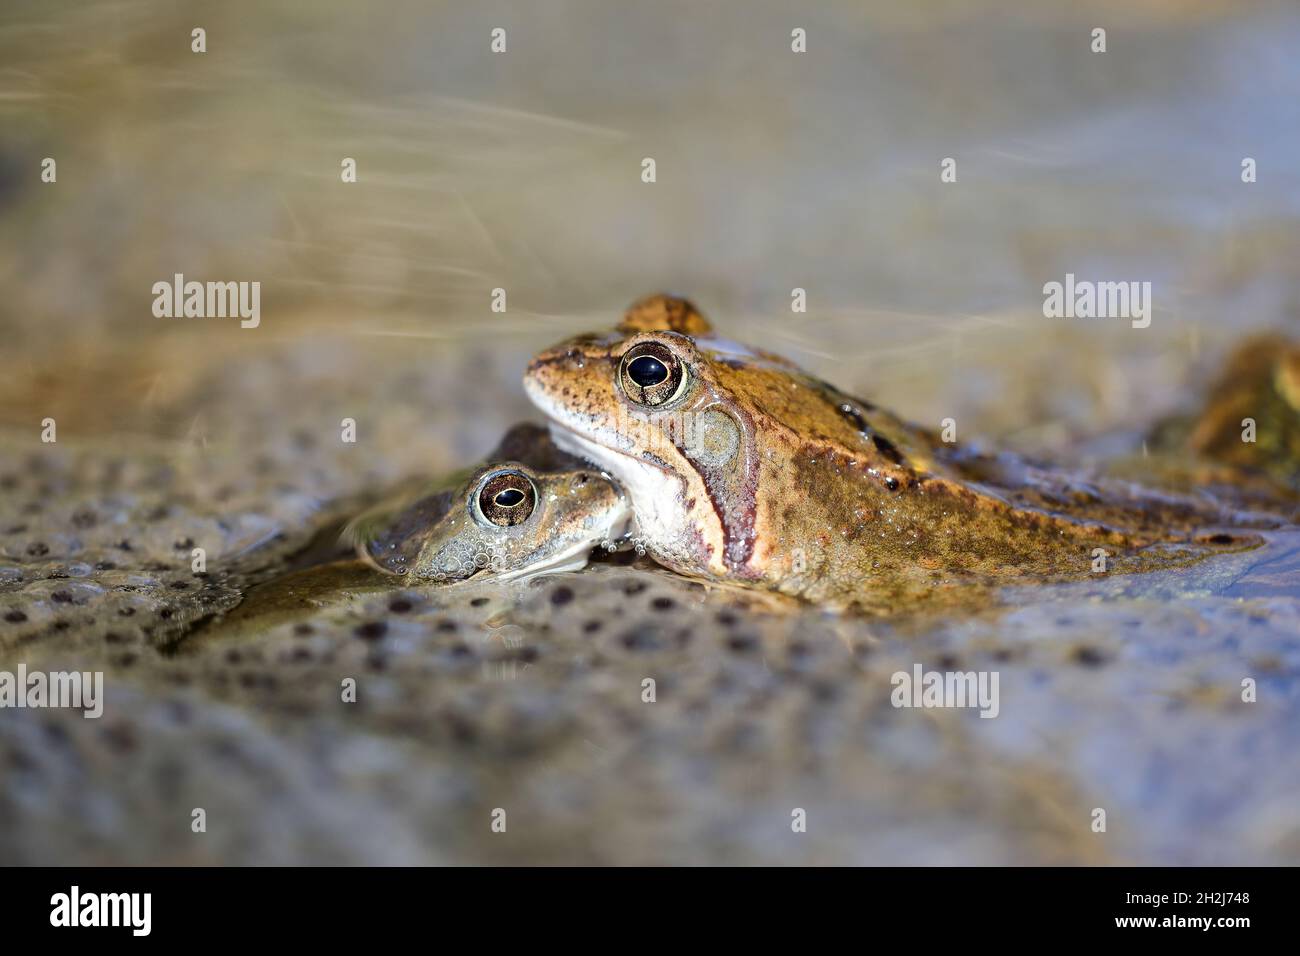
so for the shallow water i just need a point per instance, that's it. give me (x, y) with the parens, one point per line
(522, 171)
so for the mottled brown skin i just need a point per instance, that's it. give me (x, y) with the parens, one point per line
(1159, 495)
(1260, 382)
(757, 473)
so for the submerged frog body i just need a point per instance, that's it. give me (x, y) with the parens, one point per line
(1250, 419)
(741, 467)
(531, 509)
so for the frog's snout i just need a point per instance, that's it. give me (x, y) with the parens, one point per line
(558, 369)
(559, 359)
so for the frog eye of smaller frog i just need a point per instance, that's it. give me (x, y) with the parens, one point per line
(506, 498)
(652, 374)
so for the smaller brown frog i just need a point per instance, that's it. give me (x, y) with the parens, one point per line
(530, 510)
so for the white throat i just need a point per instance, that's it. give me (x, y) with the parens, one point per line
(655, 494)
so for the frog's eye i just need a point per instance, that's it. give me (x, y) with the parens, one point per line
(652, 374)
(507, 498)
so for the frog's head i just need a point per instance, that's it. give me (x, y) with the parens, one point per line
(669, 411)
(507, 520)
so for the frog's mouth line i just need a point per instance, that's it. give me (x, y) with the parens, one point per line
(569, 438)
(585, 446)
(574, 558)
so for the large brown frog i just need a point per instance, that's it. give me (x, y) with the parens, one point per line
(743, 468)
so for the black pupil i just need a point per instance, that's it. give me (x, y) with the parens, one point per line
(646, 370)
(509, 497)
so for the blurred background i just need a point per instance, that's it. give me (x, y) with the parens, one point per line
(522, 170)
(775, 170)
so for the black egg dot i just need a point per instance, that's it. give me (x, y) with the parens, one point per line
(1089, 656)
(646, 371)
(371, 630)
(642, 638)
(741, 643)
